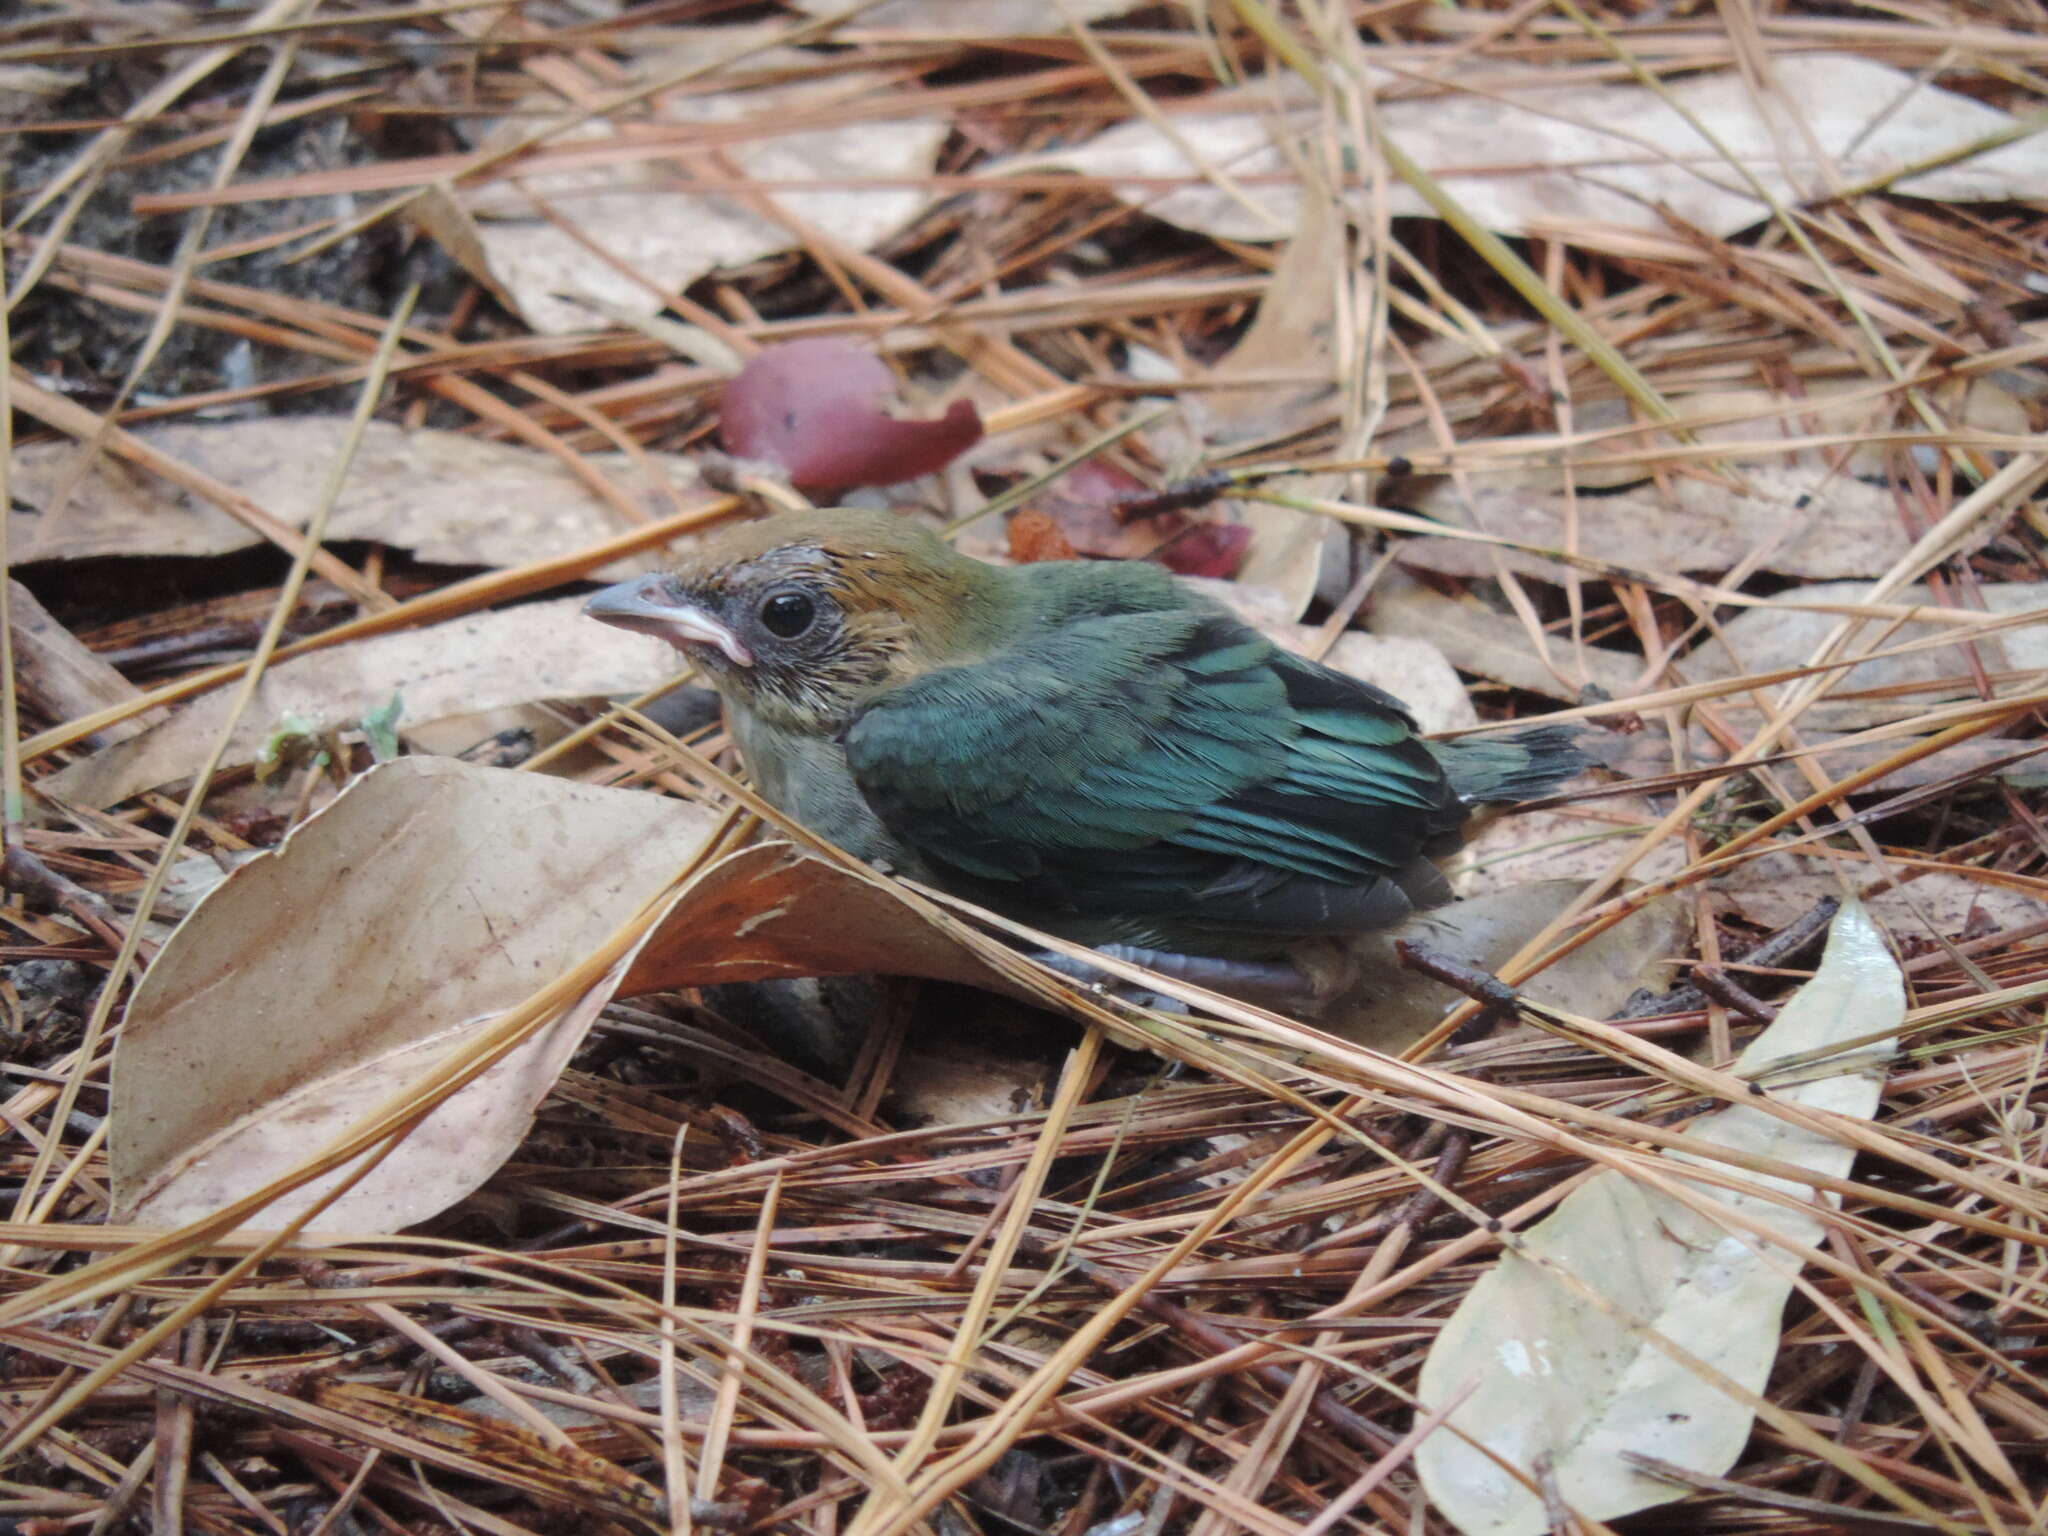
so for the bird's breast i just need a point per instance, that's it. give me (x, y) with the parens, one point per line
(806, 777)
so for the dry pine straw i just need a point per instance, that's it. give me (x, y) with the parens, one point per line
(344, 1388)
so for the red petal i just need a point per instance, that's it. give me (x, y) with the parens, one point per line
(1207, 549)
(1081, 507)
(818, 408)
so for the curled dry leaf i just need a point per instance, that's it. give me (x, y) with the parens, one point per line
(1585, 156)
(820, 410)
(1579, 1373)
(436, 211)
(1294, 334)
(448, 497)
(261, 1034)
(321, 981)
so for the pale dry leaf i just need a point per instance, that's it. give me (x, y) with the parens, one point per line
(1390, 1007)
(193, 878)
(1768, 638)
(1477, 639)
(961, 1081)
(1646, 754)
(1293, 333)
(1807, 522)
(319, 981)
(1842, 407)
(1540, 1372)
(1883, 691)
(1292, 336)
(113, 21)
(1844, 410)
(439, 214)
(1259, 606)
(1540, 159)
(481, 662)
(641, 220)
(1571, 842)
(454, 735)
(450, 498)
(1777, 888)
(1413, 670)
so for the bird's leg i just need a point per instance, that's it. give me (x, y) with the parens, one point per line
(1253, 980)
(1274, 977)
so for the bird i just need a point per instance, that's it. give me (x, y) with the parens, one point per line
(1093, 748)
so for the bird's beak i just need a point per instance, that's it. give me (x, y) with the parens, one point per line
(648, 606)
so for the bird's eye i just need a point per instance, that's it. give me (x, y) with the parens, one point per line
(788, 614)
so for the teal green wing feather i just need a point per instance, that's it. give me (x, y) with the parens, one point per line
(1163, 762)
(1508, 769)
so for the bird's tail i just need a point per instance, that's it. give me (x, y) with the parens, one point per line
(1508, 769)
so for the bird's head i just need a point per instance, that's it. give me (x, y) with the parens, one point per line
(805, 617)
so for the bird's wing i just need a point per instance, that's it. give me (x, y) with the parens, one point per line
(1159, 761)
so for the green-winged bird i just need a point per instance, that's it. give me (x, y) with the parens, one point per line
(1090, 747)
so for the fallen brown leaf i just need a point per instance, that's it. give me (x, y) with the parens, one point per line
(484, 662)
(624, 234)
(1581, 157)
(318, 982)
(448, 497)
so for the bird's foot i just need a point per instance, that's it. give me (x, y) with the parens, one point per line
(1269, 982)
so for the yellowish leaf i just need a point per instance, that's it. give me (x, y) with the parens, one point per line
(1541, 1374)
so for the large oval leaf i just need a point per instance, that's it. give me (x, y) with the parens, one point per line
(318, 980)
(392, 930)
(1550, 1376)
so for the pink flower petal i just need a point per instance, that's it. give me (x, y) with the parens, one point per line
(1207, 549)
(819, 409)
